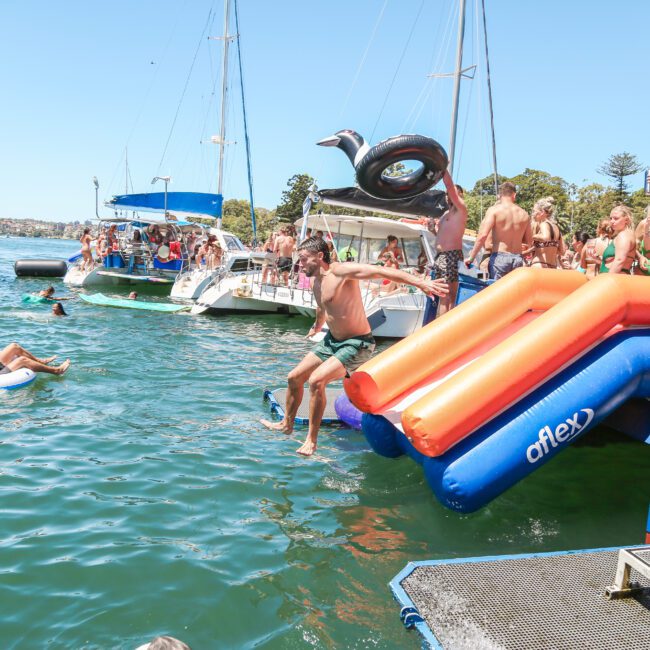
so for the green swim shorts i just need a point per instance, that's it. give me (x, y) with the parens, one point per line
(352, 352)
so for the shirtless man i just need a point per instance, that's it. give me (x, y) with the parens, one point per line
(348, 343)
(393, 248)
(15, 357)
(449, 242)
(510, 227)
(283, 248)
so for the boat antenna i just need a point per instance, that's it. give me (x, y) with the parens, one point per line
(489, 85)
(96, 184)
(246, 140)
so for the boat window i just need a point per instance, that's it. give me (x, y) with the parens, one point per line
(412, 248)
(233, 244)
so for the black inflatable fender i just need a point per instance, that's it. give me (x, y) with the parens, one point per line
(41, 268)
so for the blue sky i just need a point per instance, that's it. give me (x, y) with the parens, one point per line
(83, 81)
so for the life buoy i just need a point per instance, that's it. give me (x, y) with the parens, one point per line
(17, 379)
(371, 163)
(163, 254)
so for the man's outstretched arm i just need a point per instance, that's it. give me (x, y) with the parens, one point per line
(355, 271)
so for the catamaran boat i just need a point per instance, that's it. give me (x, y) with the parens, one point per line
(236, 261)
(148, 251)
(392, 314)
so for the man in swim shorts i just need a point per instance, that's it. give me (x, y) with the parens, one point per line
(348, 342)
(511, 232)
(449, 242)
(15, 357)
(284, 246)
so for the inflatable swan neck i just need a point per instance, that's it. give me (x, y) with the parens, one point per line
(350, 142)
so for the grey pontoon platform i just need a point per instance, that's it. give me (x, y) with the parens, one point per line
(278, 399)
(539, 601)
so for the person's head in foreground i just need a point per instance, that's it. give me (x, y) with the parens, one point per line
(133, 295)
(507, 190)
(57, 309)
(311, 253)
(164, 643)
(620, 218)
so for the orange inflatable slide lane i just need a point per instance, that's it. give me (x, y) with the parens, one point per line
(409, 362)
(525, 360)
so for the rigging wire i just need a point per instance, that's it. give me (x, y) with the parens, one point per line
(363, 58)
(187, 81)
(147, 93)
(246, 140)
(444, 46)
(399, 64)
(489, 85)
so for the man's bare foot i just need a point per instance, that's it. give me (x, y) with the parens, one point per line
(48, 359)
(277, 426)
(307, 448)
(63, 367)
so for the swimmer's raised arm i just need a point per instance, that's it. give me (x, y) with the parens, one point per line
(356, 271)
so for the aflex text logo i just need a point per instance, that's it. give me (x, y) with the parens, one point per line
(564, 432)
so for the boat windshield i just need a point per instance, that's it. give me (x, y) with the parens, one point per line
(367, 251)
(233, 243)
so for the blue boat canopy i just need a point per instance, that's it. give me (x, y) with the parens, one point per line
(184, 204)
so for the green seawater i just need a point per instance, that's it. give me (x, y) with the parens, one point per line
(140, 496)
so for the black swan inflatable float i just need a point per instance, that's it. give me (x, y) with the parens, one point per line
(371, 163)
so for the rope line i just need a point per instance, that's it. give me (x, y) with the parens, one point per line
(363, 59)
(399, 65)
(246, 140)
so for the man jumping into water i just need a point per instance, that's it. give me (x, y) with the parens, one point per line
(348, 343)
(15, 357)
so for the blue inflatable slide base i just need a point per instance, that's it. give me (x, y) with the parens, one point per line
(535, 429)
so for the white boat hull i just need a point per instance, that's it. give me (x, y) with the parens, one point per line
(189, 285)
(392, 316)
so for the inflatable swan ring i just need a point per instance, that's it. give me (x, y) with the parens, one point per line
(371, 163)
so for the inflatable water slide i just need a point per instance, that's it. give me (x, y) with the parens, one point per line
(495, 388)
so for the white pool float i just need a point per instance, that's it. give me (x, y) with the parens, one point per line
(17, 379)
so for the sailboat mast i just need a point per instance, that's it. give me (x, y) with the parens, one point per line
(489, 85)
(457, 77)
(224, 91)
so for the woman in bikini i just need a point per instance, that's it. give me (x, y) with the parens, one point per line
(548, 245)
(592, 253)
(620, 253)
(642, 235)
(85, 250)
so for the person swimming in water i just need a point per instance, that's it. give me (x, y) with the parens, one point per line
(14, 357)
(348, 343)
(57, 309)
(48, 294)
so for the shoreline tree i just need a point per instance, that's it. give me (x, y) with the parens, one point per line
(618, 167)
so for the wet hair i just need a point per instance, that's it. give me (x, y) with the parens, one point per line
(167, 643)
(507, 189)
(60, 309)
(391, 238)
(547, 205)
(86, 231)
(50, 289)
(581, 236)
(316, 245)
